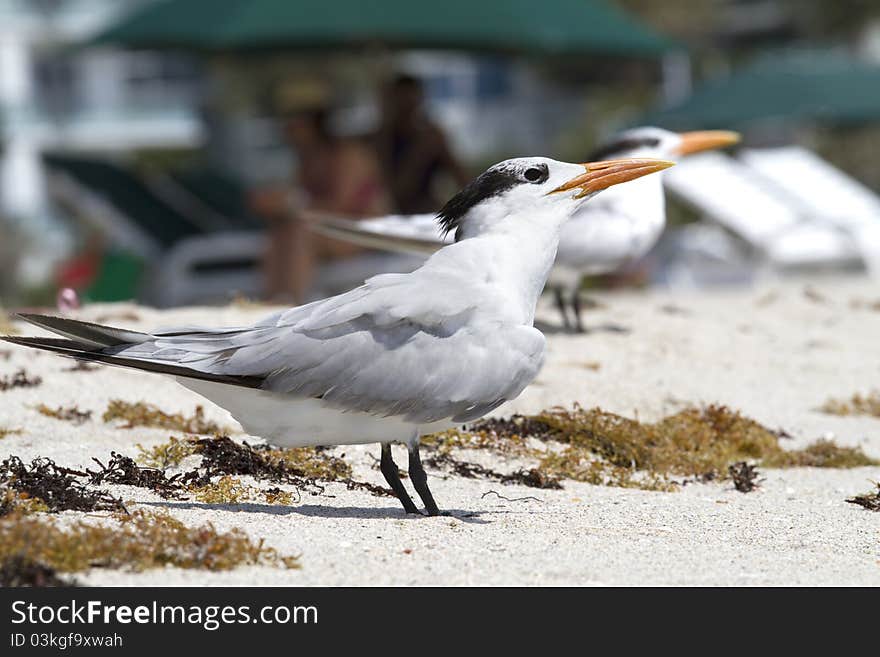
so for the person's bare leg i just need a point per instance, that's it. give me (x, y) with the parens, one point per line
(273, 264)
(301, 259)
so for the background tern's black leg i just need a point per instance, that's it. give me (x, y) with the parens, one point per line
(420, 480)
(392, 476)
(576, 308)
(560, 305)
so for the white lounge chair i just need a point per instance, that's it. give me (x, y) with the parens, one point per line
(754, 208)
(825, 193)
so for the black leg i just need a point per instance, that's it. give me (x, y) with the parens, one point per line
(576, 308)
(420, 480)
(392, 476)
(560, 305)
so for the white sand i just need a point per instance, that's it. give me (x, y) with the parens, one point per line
(775, 353)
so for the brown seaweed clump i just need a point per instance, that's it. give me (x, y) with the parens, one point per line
(8, 432)
(820, 454)
(696, 444)
(68, 414)
(744, 476)
(82, 366)
(856, 405)
(55, 486)
(533, 477)
(21, 379)
(123, 470)
(12, 501)
(870, 501)
(141, 414)
(303, 467)
(507, 435)
(168, 454)
(134, 542)
(229, 490)
(18, 571)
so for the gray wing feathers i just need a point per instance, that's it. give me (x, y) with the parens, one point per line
(381, 349)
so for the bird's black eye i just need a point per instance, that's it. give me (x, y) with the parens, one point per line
(535, 174)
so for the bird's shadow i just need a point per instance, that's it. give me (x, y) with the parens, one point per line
(323, 511)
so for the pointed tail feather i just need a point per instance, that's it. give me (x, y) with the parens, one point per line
(86, 333)
(83, 350)
(350, 231)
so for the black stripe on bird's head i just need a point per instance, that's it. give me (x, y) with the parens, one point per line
(493, 182)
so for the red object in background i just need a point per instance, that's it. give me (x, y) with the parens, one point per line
(79, 272)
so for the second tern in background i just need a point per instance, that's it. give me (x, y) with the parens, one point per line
(400, 356)
(617, 228)
(621, 226)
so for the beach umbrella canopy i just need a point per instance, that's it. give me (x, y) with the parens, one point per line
(550, 26)
(824, 87)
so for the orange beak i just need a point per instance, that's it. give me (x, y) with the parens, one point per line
(602, 175)
(706, 140)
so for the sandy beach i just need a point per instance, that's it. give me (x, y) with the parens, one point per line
(776, 353)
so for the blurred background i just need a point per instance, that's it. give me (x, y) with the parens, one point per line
(166, 150)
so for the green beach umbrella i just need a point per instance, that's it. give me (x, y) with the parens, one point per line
(816, 86)
(551, 26)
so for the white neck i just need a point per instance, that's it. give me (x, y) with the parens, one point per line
(510, 256)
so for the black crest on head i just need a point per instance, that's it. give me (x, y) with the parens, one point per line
(622, 147)
(490, 183)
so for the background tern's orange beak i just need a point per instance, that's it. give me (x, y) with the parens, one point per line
(706, 140)
(602, 175)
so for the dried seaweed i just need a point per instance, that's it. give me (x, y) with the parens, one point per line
(820, 454)
(69, 414)
(744, 476)
(166, 455)
(870, 501)
(141, 414)
(515, 425)
(123, 470)
(229, 490)
(222, 455)
(533, 478)
(582, 464)
(19, 571)
(372, 489)
(303, 467)
(82, 366)
(133, 542)
(856, 405)
(597, 447)
(9, 432)
(21, 379)
(12, 501)
(57, 487)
